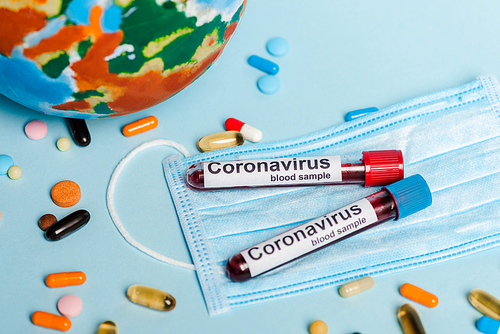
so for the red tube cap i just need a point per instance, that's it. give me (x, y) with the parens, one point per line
(383, 167)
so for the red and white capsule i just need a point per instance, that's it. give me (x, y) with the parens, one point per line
(250, 133)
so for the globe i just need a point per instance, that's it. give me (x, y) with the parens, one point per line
(105, 58)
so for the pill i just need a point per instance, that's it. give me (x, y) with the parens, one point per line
(264, 65)
(35, 130)
(70, 306)
(418, 295)
(220, 140)
(59, 280)
(150, 297)
(63, 144)
(485, 303)
(15, 172)
(248, 131)
(409, 320)
(65, 193)
(488, 325)
(52, 321)
(268, 84)
(351, 115)
(79, 131)
(5, 163)
(107, 327)
(353, 288)
(318, 327)
(277, 46)
(46, 221)
(68, 225)
(140, 126)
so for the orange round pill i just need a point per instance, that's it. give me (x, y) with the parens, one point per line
(59, 280)
(65, 193)
(418, 295)
(52, 321)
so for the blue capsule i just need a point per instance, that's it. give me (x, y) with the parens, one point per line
(351, 115)
(277, 47)
(264, 65)
(488, 325)
(268, 84)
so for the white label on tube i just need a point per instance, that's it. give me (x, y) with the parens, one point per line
(272, 172)
(309, 236)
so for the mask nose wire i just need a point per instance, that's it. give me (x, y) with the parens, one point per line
(111, 205)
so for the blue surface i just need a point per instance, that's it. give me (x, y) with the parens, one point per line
(343, 56)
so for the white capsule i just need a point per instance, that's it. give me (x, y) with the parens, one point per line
(250, 133)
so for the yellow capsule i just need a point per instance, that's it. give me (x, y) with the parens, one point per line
(409, 320)
(220, 140)
(150, 297)
(353, 288)
(107, 327)
(485, 303)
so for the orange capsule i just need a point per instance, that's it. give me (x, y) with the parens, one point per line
(140, 126)
(418, 295)
(58, 280)
(50, 320)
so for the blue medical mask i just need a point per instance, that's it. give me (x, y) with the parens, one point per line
(451, 138)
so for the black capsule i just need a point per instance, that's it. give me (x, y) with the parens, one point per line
(67, 225)
(79, 131)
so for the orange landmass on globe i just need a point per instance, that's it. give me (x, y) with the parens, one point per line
(14, 25)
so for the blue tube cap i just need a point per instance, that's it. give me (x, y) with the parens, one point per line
(488, 325)
(411, 195)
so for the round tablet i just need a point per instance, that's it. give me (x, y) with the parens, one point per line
(277, 47)
(70, 306)
(65, 193)
(5, 163)
(268, 84)
(46, 221)
(63, 144)
(35, 130)
(318, 327)
(15, 172)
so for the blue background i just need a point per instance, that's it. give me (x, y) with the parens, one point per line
(344, 55)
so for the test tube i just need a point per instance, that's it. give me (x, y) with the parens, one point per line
(393, 202)
(371, 168)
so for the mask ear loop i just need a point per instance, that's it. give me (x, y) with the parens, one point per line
(111, 205)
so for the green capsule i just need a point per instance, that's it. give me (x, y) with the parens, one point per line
(107, 327)
(485, 303)
(150, 297)
(409, 320)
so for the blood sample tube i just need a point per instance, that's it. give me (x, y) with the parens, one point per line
(393, 202)
(372, 168)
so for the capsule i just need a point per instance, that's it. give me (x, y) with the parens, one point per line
(58, 280)
(418, 295)
(485, 303)
(353, 288)
(248, 131)
(52, 321)
(264, 65)
(409, 320)
(79, 131)
(488, 325)
(352, 115)
(150, 297)
(220, 140)
(140, 126)
(67, 225)
(107, 327)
